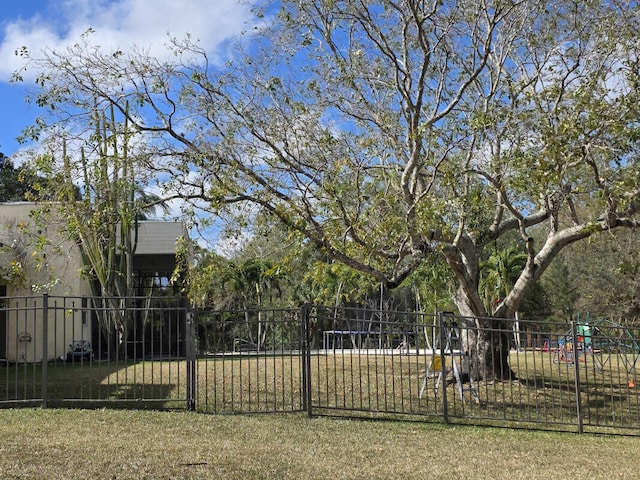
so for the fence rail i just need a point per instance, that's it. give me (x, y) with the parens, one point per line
(579, 376)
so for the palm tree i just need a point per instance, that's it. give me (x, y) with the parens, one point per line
(499, 273)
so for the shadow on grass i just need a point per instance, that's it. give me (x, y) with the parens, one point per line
(156, 383)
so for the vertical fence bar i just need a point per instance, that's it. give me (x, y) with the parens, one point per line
(45, 350)
(306, 360)
(443, 370)
(191, 361)
(576, 370)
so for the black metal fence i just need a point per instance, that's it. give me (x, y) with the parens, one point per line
(94, 351)
(578, 376)
(250, 361)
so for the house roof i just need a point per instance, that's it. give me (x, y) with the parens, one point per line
(156, 245)
(159, 237)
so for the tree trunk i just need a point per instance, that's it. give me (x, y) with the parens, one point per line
(486, 341)
(494, 345)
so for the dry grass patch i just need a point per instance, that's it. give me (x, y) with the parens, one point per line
(120, 444)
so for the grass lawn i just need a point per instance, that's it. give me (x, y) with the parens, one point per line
(124, 444)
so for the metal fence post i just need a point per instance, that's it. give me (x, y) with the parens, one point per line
(306, 359)
(190, 352)
(576, 370)
(45, 349)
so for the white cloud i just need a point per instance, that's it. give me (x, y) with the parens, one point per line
(120, 24)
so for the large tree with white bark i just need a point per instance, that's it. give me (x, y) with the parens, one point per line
(386, 132)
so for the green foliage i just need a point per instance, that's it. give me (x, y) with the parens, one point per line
(603, 277)
(499, 274)
(18, 184)
(225, 284)
(336, 284)
(433, 286)
(563, 290)
(12, 273)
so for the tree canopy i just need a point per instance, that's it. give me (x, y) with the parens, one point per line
(387, 133)
(19, 184)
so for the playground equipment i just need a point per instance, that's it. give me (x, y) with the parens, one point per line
(570, 349)
(603, 340)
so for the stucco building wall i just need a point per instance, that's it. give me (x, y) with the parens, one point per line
(51, 264)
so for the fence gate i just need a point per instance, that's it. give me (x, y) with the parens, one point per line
(250, 361)
(93, 351)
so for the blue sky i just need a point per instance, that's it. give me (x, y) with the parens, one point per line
(14, 113)
(53, 24)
